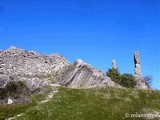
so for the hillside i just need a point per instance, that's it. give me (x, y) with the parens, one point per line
(30, 68)
(36, 72)
(105, 103)
(34, 86)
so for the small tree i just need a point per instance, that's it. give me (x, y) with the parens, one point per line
(128, 80)
(114, 75)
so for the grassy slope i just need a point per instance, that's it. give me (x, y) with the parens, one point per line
(95, 104)
(7, 111)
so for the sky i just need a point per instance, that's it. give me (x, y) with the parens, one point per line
(96, 31)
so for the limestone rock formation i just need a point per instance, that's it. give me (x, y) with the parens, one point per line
(18, 62)
(141, 83)
(31, 68)
(4, 79)
(80, 74)
(138, 73)
(114, 65)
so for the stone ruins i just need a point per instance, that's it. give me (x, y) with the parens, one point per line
(137, 70)
(141, 83)
(138, 73)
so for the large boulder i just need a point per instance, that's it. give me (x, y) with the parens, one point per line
(80, 74)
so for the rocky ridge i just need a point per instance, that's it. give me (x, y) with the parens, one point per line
(39, 71)
(17, 62)
(31, 68)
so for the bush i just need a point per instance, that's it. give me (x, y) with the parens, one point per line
(12, 88)
(128, 80)
(3, 93)
(114, 75)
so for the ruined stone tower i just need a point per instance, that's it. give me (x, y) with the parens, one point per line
(138, 73)
(137, 70)
(114, 66)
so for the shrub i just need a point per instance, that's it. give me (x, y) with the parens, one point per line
(114, 75)
(12, 88)
(128, 80)
(3, 93)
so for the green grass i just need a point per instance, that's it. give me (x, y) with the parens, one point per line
(40, 96)
(7, 111)
(94, 104)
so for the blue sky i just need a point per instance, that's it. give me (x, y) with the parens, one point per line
(96, 31)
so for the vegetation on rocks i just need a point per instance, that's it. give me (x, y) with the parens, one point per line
(7, 111)
(89, 98)
(13, 89)
(126, 80)
(114, 75)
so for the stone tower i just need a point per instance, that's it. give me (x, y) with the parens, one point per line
(138, 73)
(137, 70)
(114, 66)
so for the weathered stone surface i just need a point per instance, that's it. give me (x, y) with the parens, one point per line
(114, 65)
(31, 68)
(141, 83)
(138, 72)
(34, 84)
(37, 71)
(80, 74)
(4, 79)
(18, 62)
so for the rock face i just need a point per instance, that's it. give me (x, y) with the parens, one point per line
(18, 62)
(114, 65)
(138, 74)
(31, 68)
(4, 79)
(38, 71)
(82, 75)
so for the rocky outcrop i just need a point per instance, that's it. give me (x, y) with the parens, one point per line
(4, 79)
(31, 68)
(141, 83)
(14, 92)
(18, 62)
(39, 71)
(138, 73)
(82, 75)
